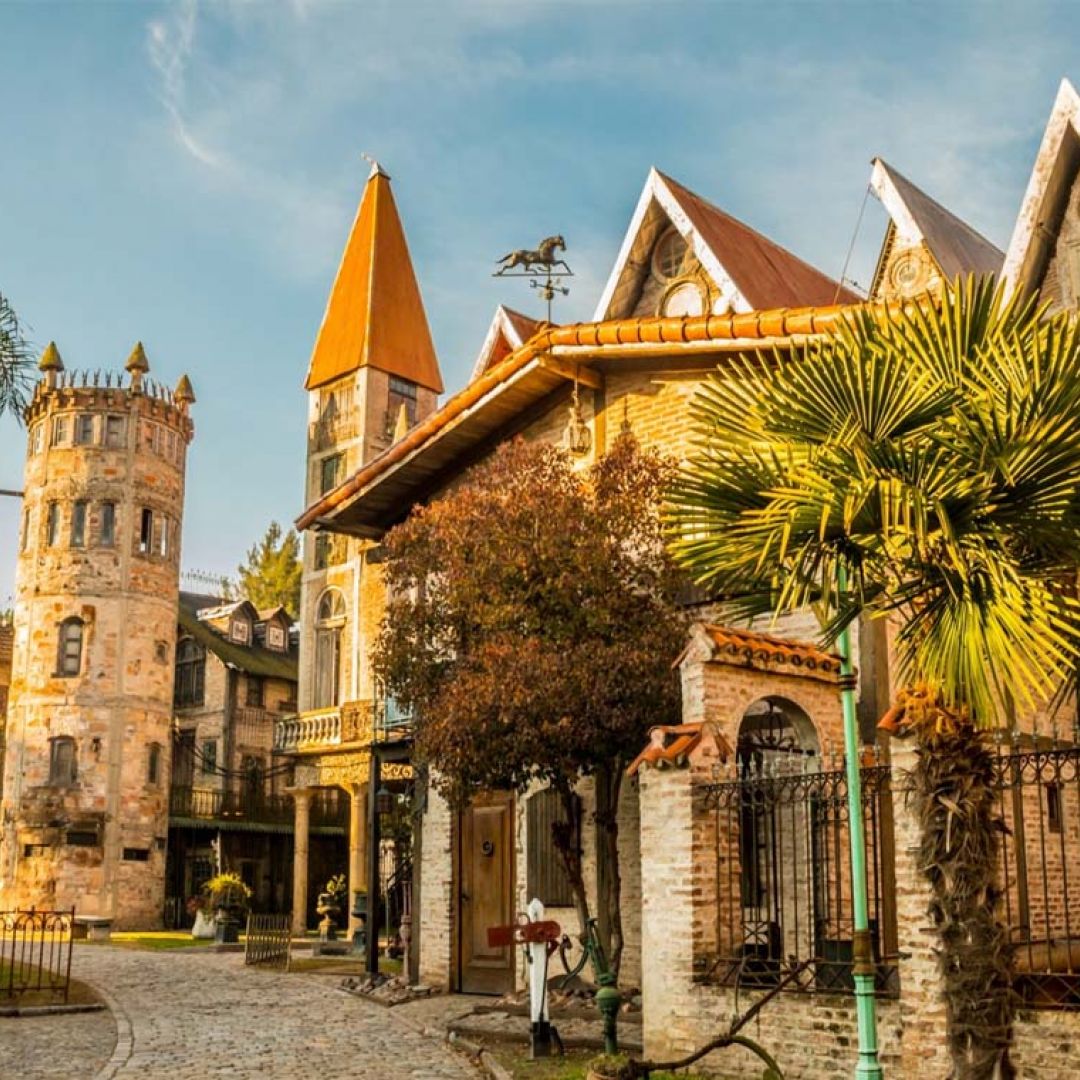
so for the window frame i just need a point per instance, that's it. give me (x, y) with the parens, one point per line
(63, 773)
(107, 514)
(70, 647)
(77, 532)
(189, 680)
(83, 430)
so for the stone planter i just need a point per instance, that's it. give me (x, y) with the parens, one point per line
(226, 926)
(329, 909)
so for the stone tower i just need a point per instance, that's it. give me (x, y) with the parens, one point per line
(86, 785)
(373, 375)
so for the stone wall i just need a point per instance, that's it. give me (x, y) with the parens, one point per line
(94, 834)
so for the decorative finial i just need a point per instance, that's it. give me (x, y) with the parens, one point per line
(50, 363)
(376, 168)
(137, 365)
(184, 394)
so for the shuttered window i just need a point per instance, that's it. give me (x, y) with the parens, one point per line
(547, 879)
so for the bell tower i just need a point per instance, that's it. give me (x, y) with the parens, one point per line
(85, 795)
(373, 375)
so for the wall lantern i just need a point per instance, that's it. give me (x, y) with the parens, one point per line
(577, 438)
(384, 800)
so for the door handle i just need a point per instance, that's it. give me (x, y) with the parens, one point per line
(465, 897)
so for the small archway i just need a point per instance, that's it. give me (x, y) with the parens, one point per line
(776, 736)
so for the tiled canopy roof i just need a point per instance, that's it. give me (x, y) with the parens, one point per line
(670, 746)
(746, 646)
(751, 327)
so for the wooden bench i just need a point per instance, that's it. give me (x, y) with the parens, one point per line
(92, 928)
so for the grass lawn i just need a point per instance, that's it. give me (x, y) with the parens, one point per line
(153, 940)
(574, 1066)
(78, 992)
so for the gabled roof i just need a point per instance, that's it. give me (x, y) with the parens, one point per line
(509, 330)
(955, 246)
(375, 316)
(382, 491)
(1056, 167)
(751, 271)
(252, 659)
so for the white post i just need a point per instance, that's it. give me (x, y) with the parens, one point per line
(540, 1031)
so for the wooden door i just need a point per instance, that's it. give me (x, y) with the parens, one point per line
(485, 893)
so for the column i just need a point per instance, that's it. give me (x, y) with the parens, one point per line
(357, 848)
(302, 802)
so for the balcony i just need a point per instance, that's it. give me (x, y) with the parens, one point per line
(253, 811)
(354, 723)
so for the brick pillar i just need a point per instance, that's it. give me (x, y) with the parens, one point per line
(922, 1009)
(302, 803)
(357, 848)
(437, 914)
(667, 912)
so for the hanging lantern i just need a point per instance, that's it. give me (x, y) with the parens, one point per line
(577, 438)
(384, 800)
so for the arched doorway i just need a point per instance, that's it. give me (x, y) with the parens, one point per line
(777, 748)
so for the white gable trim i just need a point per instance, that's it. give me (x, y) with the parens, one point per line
(1028, 229)
(655, 189)
(882, 186)
(501, 326)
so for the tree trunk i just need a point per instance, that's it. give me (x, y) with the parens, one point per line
(566, 836)
(608, 877)
(960, 856)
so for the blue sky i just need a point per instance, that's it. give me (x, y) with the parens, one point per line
(185, 174)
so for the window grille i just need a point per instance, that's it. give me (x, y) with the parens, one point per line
(70, 647)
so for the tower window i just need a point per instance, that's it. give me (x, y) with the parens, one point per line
(108, 524)
(330, 618)
(84, 429)
(330, 472)
(52, 528)
(114, 431)
(402, 392)
(189, 688)
(78, 524)
(161, 535)
(24, 539)
(36, 438)
(62, 771)
(153, 764)
(146, 531)
(60, 430)
(70, 648)
(209, 756)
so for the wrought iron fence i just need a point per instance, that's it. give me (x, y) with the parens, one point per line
(268, 941)
(213, 805)
(1039, 791)
(782, 879)
(35, 952)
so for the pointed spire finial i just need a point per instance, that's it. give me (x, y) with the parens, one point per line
(376, 168)
(184, 394)
(137, 361)
(50, 359)
(401, 427)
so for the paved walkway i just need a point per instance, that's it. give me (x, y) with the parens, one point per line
(189, 1016)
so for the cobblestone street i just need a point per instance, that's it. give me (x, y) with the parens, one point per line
(187, 1016)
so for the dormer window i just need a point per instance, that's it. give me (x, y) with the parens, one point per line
(275, 636)
(240, 630)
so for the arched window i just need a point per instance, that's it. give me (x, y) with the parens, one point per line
(70, 647)
(153, 764)
(190, 684)
(62, 770)
(329, 619)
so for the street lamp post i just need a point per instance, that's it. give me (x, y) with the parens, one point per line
(867, 1066)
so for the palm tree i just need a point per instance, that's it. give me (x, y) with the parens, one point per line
(930, 458)
(16, 373)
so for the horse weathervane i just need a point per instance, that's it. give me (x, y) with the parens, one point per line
(539, 265)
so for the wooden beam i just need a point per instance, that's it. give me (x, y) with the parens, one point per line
(569, 370)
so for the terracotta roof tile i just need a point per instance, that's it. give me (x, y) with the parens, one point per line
(749, 647)
(670, 746)
(699, 329)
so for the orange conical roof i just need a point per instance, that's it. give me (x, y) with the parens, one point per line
(375, 315)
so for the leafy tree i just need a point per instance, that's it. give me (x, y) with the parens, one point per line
(530, 630)
(16, 366)
(933, 454)
(271, 575)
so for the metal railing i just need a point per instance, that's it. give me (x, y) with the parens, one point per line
(780, 884)
(1039, 794)
(35, 952)
(329, 809)
(268, 941)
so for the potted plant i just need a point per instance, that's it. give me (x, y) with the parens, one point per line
(331, 904)
(228, 897)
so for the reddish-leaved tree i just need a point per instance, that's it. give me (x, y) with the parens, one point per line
(530, 629)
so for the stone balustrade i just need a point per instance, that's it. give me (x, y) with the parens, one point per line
(308, 730)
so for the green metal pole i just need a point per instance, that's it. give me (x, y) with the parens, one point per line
(863, 967)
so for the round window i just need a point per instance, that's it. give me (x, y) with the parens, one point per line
(684, 299)
(668, 255)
